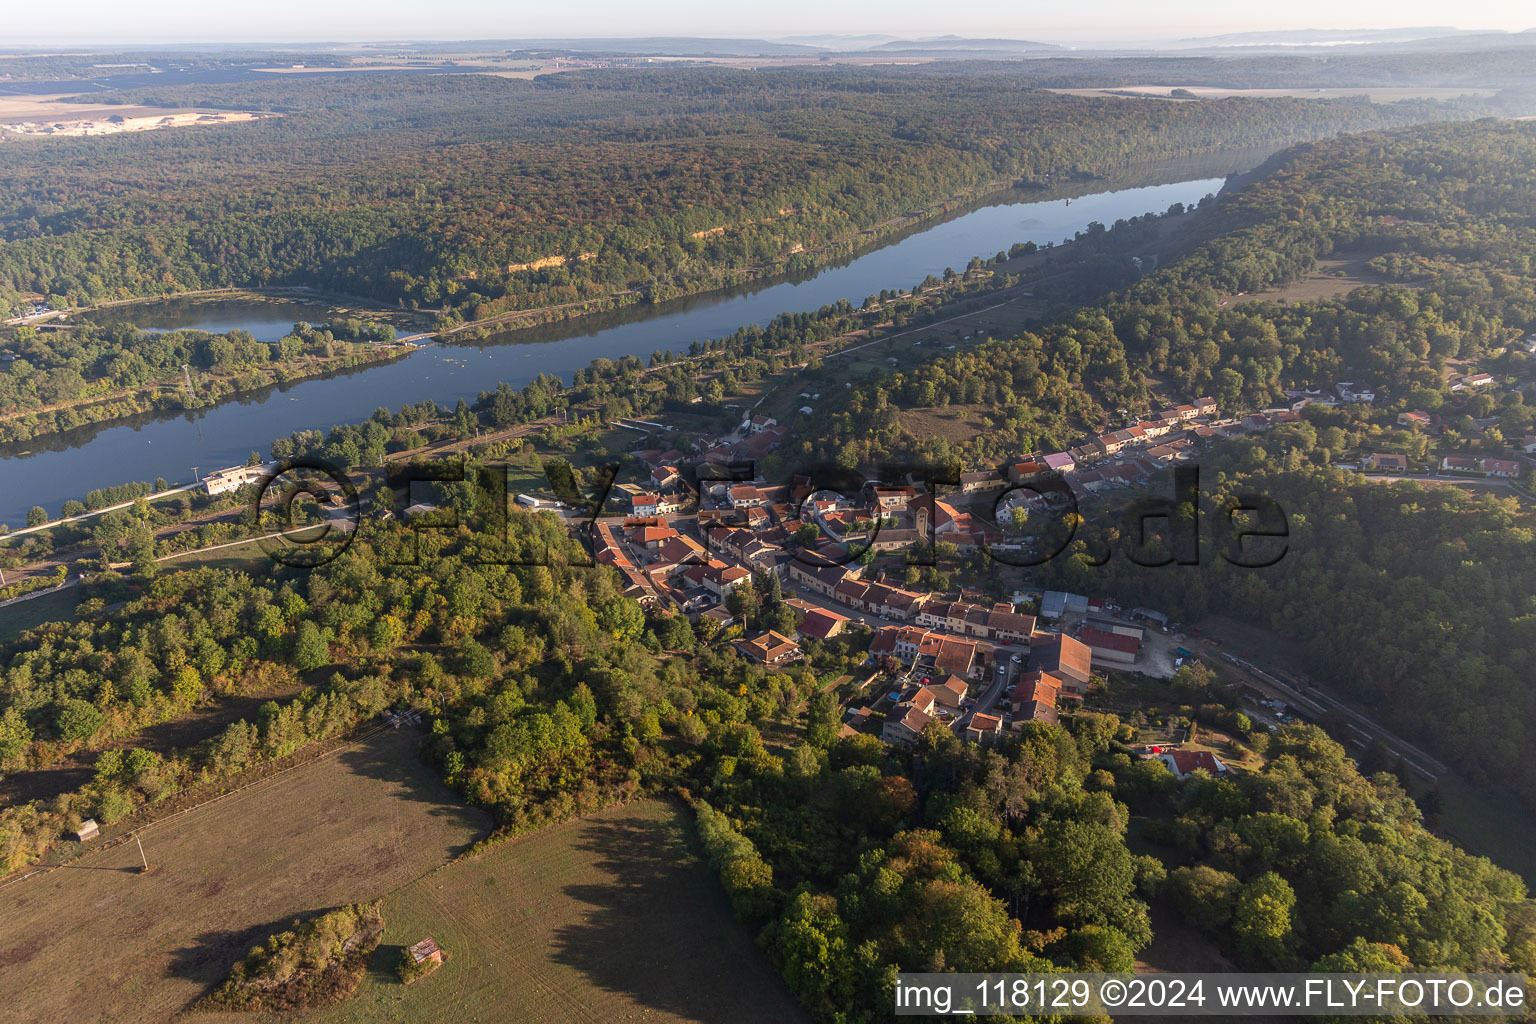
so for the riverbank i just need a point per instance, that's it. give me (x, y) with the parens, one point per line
(56, 468)
(172, 395)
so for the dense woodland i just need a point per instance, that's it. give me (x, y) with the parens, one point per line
(58, 380)
(1496, 65)
(1438, 637)
(477, 195)
(547, 692)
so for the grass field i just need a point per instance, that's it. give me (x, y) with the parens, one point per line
(1332, 277)
(19, 618)
(97, 941)
(608, 918)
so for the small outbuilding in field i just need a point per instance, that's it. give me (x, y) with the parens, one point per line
(420, 960)
(87, 831)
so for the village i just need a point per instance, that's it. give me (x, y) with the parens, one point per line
(700, 526)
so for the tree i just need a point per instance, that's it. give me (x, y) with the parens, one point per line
(1261, 920)
(78, 720)
(310, 649)
(621, 619)
(810, 944)
(15, 734)
(823, 720)
(475, 661)
(387, 632)
(1087, 869)
(1204, 895)
(37, 515)
(742, 600)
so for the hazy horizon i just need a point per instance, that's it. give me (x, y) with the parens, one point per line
(97, 23)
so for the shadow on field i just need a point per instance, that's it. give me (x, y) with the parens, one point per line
(44, 783)
(208, 960)
(384, 964)
(392, 757)
(660, 930)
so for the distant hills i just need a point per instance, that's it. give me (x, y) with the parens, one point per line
(670, 46)
(680, 46)
(1321, 36)
(953, 43)
(1438, 38)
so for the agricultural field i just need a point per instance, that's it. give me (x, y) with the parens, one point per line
(1333, 277)
(95, 940)
(609, 918)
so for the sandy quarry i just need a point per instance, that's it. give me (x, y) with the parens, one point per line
(46, 116)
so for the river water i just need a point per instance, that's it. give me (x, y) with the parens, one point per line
(47, 471)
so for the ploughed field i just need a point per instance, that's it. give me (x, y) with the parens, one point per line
(98, 941)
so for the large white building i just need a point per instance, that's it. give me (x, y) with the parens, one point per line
(226, 480)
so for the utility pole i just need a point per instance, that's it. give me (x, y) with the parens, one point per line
(186, 374)
(195, 478)
(143, 858)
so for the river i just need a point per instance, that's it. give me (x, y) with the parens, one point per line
(49, 470)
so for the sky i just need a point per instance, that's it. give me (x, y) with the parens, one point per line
(100, 21)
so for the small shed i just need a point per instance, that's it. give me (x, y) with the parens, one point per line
(87, 831)
(426, 951)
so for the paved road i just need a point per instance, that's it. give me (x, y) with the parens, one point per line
(1455, 481)
(994, 689)
(100, 511)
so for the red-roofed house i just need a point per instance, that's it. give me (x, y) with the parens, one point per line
(822, 624)
(956, 656)
(746, 496)
(1110, 647)
(1501, 467)
(1185, 763)
(771, 649)
(950, 693)
(1064, 658)
(1034, 698)
(653, 537)
(983, 729)
(683, 549)
(1460, 464)
(906, 726)
(1386, 462)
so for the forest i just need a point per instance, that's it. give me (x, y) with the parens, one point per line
(63, 379)
(475, 195)
(547, 693)
(1455, 246)
(1439, 636)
